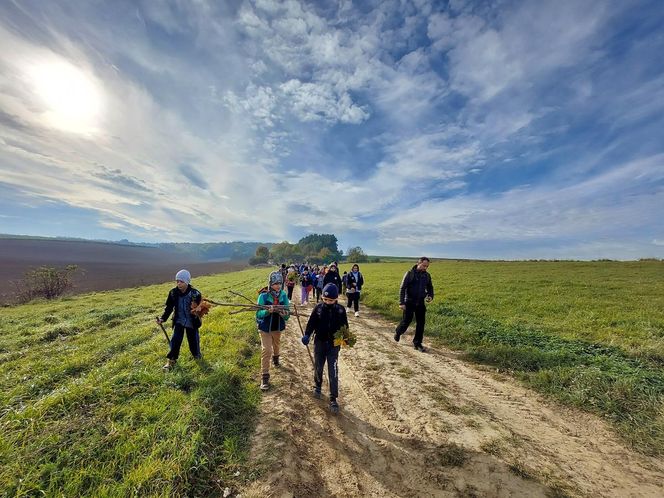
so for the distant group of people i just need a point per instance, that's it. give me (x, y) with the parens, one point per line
(327, 317)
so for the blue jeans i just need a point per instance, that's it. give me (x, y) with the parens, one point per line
(327, 352)
(193, 339)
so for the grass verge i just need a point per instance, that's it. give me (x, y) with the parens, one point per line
(87, 411)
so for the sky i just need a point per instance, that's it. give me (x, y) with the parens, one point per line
(463, 129)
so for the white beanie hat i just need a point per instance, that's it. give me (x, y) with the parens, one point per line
(183, 275)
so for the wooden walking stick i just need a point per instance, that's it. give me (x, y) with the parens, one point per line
(313, 365)
(168, 339)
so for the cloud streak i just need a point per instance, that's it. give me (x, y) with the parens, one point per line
(403, 127)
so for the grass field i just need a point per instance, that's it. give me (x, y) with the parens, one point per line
(86, 409)
(591, 334)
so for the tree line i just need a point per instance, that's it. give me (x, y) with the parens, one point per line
(315, 248)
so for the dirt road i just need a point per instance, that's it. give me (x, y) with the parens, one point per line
(428, 424)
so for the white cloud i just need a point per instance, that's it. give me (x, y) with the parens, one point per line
(541, 212)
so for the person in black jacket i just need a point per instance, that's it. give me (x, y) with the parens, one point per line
(179, 301)
(332, 276)
(354, 283)
(325, 320)
(416, 289)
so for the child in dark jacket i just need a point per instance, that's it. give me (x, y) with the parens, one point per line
(326, 319)
(179, 301)
(271, 322)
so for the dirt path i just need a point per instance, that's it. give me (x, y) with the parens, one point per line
(429, 424)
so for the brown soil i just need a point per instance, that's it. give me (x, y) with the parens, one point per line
(429, 424)
(101, 266)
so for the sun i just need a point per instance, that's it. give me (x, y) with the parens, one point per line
(72, 99)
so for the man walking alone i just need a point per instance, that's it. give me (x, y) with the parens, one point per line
(416, 288)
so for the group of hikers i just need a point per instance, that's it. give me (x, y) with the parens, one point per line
(327, 318)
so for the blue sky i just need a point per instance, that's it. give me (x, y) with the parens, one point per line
(493, 129)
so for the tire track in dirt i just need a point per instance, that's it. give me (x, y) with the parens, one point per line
(414, 424)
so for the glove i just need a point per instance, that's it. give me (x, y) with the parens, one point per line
(305, 339)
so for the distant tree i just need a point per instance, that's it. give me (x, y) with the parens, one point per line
(284, 252)
(46, 282)
(356, 255)
(311, 246)
(262, 255)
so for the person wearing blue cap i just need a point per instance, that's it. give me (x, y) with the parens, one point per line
(178, 302)
(325, 320)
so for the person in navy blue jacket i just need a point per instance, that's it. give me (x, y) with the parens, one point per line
(325, 320)
(178, 302)
(354, 283)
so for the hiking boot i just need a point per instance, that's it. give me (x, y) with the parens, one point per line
(317, 393)
(265, 382)
(275, 361)
(170, 364)
(357, 313)
(334, 406)
(420, 348)
(397, 336)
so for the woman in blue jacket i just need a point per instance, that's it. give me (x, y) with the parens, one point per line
(271, 322)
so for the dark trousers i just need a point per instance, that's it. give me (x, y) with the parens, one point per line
(290, 292)
(420, 311)
(354, 300)
(193, 339)
(319, 290)
(327, 352)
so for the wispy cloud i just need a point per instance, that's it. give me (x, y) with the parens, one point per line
(401, 126)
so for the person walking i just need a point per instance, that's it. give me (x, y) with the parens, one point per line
(306, 284)
(291, 279)
(326, 319)
(416, 289)
(354, 283)
(179, 302)
(271, 322)
(332, 277)
(320, 283)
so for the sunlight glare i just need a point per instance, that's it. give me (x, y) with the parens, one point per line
(72, 98)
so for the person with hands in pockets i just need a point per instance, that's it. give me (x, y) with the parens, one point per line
(326, 319)
(271, 322)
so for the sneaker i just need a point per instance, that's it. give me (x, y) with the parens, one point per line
(420, 348)
(357, 313)
(170, 364)
(334, 406)
(275, 361)
(317, 393)
(397, 336)
(265, 382)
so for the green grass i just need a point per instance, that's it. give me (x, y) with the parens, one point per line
(86, 409)
(590, 334)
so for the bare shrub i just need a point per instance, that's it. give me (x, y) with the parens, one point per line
(45, 282)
